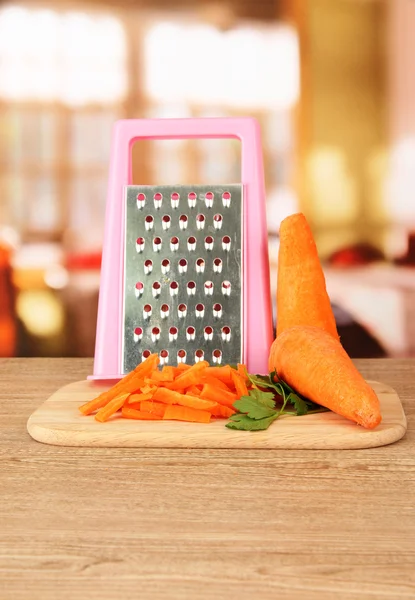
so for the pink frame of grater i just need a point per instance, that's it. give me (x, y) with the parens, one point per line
(257, 315)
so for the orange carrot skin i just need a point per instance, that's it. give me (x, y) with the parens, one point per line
(185, 413)
(315, 364)
(217, 395)
(130, 413)
(111, 408)
(134, 398)
(302, 297)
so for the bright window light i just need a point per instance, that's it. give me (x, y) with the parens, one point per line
(72, 57)
(244, 68)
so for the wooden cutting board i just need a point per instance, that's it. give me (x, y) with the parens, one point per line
(59, 422)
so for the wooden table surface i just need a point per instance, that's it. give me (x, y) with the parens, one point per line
(96, 523)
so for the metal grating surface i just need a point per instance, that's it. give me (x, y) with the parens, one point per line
(182, 219)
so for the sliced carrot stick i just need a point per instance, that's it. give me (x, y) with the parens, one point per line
(302, 297)
(221, 411)
(111, 408)
(194, 390)
(134, 398)
(180, 368)
(168, 373)
(190, 377)
(135, 405)
(215, 382)
(148, 389)
(130, 383)
(130, 413)
(156, 408)
(243, 372)
(185, 413)
(217, 395)
(172, 397)
(315, 364)
(222, 373)
(240, 386)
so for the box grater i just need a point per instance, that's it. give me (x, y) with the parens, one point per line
(185, 268)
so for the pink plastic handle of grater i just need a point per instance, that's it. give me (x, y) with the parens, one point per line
(257, 335)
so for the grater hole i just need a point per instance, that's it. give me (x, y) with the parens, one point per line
(226, 242)
(190, 333)
(164, 311)
(166, 222)
(209, 242)
(139, 244)
(145, 354)
(157, 244)
(158, 199)
(156, 289)
(165, 266)
(148, 267)
(182, 265)
(217, 221)
(200, 310)
(208, 333)
(138, 334)
(209, 196)
(183, 220)
(141, 200)
(174, 244)
(173, 331)
(155, 334)
(181, 356)
(139, 289)
(226, 333)
(217, 310)
(182, 311)
(200, 265)
(149, 222)
(208, 288)
(200, 221)
(164, 357)
(191, 199)
(191, 243)
(226, 288)
(174, 288)
(217, 356)
(226, 199)
(147, 310)
(175, 198)
(191, 288)
(217, 265)
(199, 355)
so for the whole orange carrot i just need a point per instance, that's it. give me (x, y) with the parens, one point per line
(302, 297)
(315, 364)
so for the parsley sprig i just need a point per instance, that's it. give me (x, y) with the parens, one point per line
(269, 398)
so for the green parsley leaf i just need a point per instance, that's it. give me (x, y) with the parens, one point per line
(245, 423)
(254, 408)
(299, 404)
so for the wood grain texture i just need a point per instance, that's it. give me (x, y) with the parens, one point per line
(59, 422)
(111, 523)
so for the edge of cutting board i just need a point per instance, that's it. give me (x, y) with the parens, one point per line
(58, 422)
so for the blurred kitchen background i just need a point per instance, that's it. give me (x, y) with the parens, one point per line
(332, 83)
